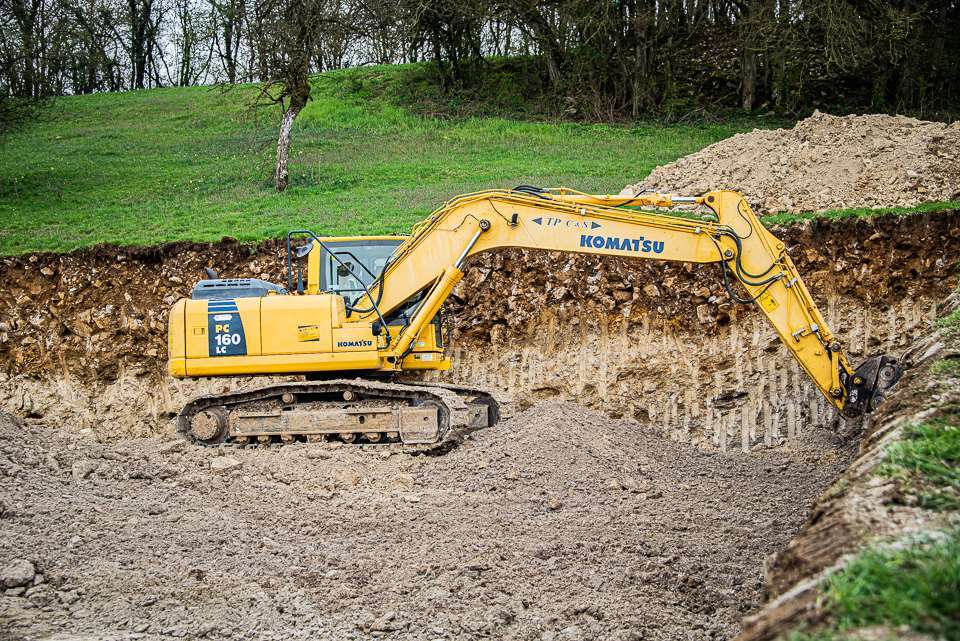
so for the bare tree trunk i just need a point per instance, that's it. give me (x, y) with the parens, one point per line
(748, 79)
(283, 146)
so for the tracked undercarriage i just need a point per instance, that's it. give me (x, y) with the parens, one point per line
(420, 417)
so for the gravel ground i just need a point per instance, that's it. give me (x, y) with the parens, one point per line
(557, 524)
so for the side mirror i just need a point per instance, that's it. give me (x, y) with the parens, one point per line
(211, 273)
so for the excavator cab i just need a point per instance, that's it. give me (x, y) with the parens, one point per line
(361, 260)
(349, 266)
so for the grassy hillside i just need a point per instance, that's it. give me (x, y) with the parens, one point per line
(171, 164)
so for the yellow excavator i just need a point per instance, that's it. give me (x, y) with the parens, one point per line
(368, 310)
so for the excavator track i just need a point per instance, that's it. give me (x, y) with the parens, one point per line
(421, 417)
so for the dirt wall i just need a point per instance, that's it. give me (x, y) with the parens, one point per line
(82, 335)
(663, 344)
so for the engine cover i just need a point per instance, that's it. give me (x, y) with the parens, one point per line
(225, 288)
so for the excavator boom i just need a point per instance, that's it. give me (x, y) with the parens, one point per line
(387, 321)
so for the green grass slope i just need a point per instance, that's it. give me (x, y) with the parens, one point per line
(195, 164)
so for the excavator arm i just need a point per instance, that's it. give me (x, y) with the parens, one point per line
(431, 260)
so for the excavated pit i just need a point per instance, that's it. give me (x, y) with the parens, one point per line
(560, 523)
(664, 446)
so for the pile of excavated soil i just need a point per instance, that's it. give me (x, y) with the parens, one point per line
(824, 162)
(558, 524)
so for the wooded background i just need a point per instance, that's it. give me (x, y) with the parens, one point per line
(603, 60)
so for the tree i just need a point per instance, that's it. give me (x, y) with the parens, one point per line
(191, 35)
(27, 16)
(292, 33)
(230, 20)
(142, 36)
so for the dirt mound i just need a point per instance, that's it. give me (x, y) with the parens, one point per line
(825, 162)
(558, 524)
(562, 446)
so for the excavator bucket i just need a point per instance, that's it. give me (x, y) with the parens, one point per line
(870, 383)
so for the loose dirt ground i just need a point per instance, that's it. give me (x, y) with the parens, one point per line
(557, 524)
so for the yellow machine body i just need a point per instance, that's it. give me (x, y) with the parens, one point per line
(388, 322)
(284, 334)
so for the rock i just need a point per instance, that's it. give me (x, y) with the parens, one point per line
(223, 464)
(651, 290)
(636, 486)
(82, 469)
(40, 595)
(172, 446)
(402, 481)
(15, 591)
(554, 504)
(68, 598)
(385, 623)
(476, 564)
(348, 477)
(51, 462)
(704, 315)
(17, 573)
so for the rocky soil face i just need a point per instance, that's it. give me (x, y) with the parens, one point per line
(83, 335)
(824, 162)
(557, 524)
